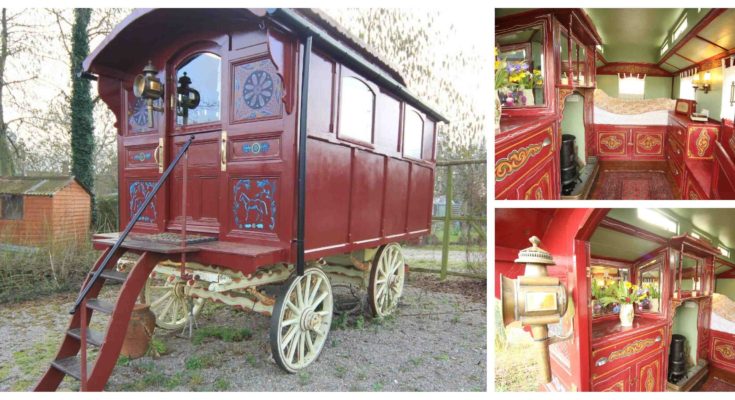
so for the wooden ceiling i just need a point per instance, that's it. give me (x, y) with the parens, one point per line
(712, 38)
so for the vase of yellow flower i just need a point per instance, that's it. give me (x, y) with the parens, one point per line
(625, 294)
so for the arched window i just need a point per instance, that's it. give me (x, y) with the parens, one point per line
(205, 72)
(357, 106)
(413, 134)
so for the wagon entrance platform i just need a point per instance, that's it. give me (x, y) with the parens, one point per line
(200, 249)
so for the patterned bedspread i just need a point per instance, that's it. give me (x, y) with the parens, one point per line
(630, 106)
(723, 306)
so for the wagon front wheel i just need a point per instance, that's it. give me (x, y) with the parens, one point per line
(169, 301)
(301, 320)
(386, 280)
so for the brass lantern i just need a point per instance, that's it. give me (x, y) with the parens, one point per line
(147, 86)
(187, 98)
(536, 300)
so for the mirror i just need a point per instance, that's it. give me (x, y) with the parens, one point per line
(604, 276)
(520, 63)
(564, 59)
(580, 70)
(649, 278)
(691, 273)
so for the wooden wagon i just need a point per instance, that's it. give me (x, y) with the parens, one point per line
(257, 148)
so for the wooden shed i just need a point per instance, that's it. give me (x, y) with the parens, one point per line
(40, 210)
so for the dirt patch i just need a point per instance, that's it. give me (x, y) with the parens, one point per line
(436, 342)
(473, 289)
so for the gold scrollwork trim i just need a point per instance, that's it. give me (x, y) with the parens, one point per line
(619, 386)
(726, 351)
(536, 192)
(516, 159)
(612, 142)
(631, 349)
(650, 381)
(648, 142)
(702, 142)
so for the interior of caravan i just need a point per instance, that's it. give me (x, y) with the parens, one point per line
(612, 104)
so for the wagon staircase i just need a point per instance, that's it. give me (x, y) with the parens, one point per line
(71, 358)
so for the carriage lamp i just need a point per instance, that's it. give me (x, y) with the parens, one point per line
(186, 98)
(535, 300)
(147, 86)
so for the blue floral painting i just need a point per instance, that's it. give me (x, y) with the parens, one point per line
(138, 192)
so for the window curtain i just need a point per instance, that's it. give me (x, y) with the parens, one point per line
(631, 86)
(686, 91)
(728, 93)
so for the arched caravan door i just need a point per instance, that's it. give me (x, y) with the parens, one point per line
(196, 68)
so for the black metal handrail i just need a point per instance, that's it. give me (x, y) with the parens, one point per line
(130, 226)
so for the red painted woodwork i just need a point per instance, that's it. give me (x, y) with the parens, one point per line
(722, 350)
(723, 174)
(526, 157)
(649, 373)
(648, 144)
(617, 382)
(685, 107)
(626, 142)
(612, 143)
(648, 69)
(359, 195)
(706, 20)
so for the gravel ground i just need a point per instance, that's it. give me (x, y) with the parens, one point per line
(436, 342)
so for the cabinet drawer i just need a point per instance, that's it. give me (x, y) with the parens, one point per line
(516, 160)
(675, 169)
(607, 359)
(539, 185)
(677, 133)
(676, 151)
(723, 351)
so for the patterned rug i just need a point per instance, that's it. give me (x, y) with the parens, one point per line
(717, 385)
(632, 185)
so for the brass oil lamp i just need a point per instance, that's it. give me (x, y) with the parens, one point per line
(147, 86)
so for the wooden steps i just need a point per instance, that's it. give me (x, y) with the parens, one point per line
(71, 366)
(93, 337)
(100, 305)
(114, 276)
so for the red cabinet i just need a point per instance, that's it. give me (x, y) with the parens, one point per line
(631, 143)
(692, 189)
(527, 165)
(649, 373)
(722, 350)
(617, 382)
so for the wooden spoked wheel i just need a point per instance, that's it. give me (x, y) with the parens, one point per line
(386, 280)
(169, 301)
(301, 320)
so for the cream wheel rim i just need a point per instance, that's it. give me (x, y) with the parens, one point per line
(388, 277)
(169, 301)
(304, 320)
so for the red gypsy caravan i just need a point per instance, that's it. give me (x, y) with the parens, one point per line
(621, 299)
(264, 155)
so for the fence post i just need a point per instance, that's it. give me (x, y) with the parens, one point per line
(447, 223)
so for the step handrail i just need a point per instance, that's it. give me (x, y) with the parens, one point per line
(130, 226)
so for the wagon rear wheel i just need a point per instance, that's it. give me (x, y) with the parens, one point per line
(386, 280)
(169, 301)
(301, 320)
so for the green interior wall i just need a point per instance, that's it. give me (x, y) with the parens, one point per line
(573, 123)
(685, 323)
(711, 100)
(726, 287)
(656, 86)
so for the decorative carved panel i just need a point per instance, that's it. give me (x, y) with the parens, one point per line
(257, 91)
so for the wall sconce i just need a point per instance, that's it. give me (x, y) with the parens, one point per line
(147, 86)
(732, 94)
(536, 300)
(705, 85)
(187, 98)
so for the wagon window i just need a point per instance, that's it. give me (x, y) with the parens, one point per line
(413, 133)
(204, 71)
(356, 109)
(11, 206)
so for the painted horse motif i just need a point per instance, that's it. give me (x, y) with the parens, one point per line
(254, 205)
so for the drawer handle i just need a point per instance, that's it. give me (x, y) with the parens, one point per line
(546, 142)
(678, 151)
(677, 174)
(658, 339)
(601, 361)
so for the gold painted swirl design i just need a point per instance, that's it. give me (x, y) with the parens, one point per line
(612, 142)
(516, 159)
(631, 349)
(726, 350)
(648, 142)
(702, 142)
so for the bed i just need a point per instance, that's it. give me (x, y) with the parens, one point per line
(722, 328)
(615, 111)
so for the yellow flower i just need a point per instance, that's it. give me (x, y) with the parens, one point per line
(628, 285)
(634, 287)
(497, 64)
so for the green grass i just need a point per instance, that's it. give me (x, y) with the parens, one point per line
(221, 384)
(123, 361)
(251, 360)
(32, 362)
(224, 333)
(157, 348)
(515, 368)
(340, 371)
(304, 378)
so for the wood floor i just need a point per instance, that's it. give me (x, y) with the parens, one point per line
(660, 166)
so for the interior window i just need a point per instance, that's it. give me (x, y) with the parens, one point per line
(631, 87)
(11, 206)
(413, 130)
(686, 90)
(204, 81)
(357, 104)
